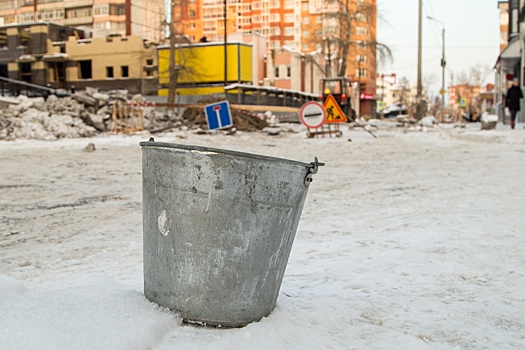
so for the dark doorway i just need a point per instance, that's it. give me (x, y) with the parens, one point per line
(3, 71)
(58, 74)
(85, 71)
(25, 71)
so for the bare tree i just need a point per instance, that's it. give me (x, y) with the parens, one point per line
(181, 57)
(471, 83)
(340, 19)
(404, 91)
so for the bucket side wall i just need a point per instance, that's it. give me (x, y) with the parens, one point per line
(218, 231)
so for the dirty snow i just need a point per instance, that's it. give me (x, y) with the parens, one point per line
(411, 240)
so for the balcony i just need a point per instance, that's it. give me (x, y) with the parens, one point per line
(77, 21)
(77, 3)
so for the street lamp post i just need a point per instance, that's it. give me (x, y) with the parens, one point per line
(419, 110)
(443, 62)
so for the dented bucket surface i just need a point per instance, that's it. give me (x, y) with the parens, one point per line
(218, 230)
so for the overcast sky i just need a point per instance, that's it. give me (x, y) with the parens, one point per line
(471, 37)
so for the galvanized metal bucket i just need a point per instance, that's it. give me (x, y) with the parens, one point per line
(218, 229)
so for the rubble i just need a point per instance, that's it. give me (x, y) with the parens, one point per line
(488, 121)
(243, 121)
(88, 112)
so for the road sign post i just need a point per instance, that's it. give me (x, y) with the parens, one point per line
(313, 114)
(218, 115)
(334, 113)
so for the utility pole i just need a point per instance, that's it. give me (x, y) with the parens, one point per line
(443, 63)
(419, 97)
(127, 8)
(225, 43)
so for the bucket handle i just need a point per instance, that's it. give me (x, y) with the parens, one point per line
(314, 167)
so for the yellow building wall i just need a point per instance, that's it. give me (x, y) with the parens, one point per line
(194, 91)
(204, 64)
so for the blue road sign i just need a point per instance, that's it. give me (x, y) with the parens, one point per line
(218, 115)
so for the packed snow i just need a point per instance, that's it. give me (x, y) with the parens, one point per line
(411, 240)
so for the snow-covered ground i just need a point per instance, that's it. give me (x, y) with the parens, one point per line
(411, 240)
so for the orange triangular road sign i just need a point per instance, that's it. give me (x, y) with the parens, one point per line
(334, 113)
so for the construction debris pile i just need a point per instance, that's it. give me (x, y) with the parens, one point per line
(242, 120)
(89, 112)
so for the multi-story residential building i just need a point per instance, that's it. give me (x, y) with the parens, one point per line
(101, 17)
(510, 63)
(503, 6)
(468, 93)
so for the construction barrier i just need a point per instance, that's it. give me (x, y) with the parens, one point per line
(325, 129)
(128, 116)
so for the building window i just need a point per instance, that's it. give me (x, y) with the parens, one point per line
(85, 70)
(8, 5)
(9, 19)
(288, 4)
(360, 72)
(306, 20)
(120, 10)
(124, 71)
(289, 31)
(288, 71)
(360, 30)
(277, 72)
(192, 13)
(26, 17)
(361, 44)
(306, 33)
(361, 58)
(101, 10)
(109, 72)
(360, 17)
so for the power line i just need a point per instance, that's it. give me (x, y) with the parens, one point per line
(448, 47)
(432, 26)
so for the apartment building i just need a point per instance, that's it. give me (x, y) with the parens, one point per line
(503, 6)
(99, 17)
(510, 63)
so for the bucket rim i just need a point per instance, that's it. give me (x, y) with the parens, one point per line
(206, 149)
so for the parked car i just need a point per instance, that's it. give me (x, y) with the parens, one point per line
(395, 109)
